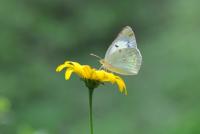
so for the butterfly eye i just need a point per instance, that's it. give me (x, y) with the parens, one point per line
(116, 46)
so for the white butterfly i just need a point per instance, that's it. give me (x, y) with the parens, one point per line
(123, 56)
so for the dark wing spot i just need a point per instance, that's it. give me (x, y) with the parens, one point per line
(128, 44)
(116, 46)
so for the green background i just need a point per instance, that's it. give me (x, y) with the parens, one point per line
(38, 35)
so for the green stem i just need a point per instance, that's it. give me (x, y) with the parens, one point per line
(90, 110)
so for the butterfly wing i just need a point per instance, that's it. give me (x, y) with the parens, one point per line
(122, 56)
(126, 61)
(125, 39)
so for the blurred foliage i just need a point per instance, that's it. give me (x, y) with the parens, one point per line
(37, 35)
(4, 105)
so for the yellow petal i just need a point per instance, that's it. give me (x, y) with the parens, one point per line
(60, 67)
(108, 77)
(87, 71)
(75, 64)
(68, 73)
(111, 77)
(70, 64)
(121, 85)
(78, 69)
(98, 75)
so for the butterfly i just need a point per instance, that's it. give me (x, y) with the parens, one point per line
(123, 57)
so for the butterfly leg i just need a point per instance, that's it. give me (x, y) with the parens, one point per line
(101, 67)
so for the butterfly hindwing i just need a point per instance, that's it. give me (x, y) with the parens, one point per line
(126, 61)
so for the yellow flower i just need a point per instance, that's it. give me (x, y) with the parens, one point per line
(91, 76)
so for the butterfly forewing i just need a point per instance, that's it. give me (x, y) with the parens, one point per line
(125, 39)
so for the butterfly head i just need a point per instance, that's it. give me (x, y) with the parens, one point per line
(105, 64)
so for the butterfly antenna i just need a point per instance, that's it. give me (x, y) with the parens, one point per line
(96, 56)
